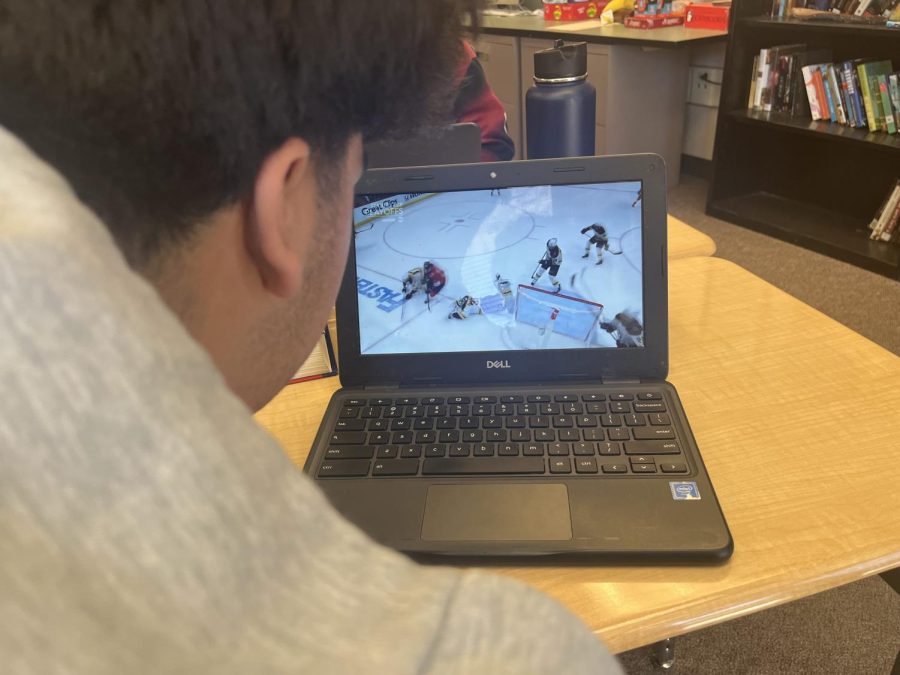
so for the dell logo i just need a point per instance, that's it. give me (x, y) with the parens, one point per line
(498, 364)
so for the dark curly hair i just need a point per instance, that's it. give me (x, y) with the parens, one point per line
(159, 112)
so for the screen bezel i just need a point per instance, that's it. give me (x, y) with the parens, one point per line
(647, 363)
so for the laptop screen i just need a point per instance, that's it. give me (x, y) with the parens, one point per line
(518, 268)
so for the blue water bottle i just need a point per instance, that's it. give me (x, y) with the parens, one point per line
(561, 107)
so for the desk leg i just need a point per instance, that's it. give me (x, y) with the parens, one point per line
(664, 653)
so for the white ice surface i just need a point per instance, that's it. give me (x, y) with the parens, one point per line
(473, 236)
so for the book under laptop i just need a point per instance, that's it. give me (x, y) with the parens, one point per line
(503, 348)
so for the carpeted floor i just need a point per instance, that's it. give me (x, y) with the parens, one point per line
(852, 630)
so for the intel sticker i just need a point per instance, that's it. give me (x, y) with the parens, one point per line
(684, 490)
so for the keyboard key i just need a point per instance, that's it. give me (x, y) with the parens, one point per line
(349, 411)
(432, 400)
(483, 450)
(400, 424)
(595, 434)
(560, 465)
(586, 421)
(423, 423)
(504, 410)
(371, 412)
(436, 450)
(653, 406)
(673, 468)
(569, 435)
(491, 422)
(350, 452)
(539, 422)
(459, 410)
(392, 411)
(348, 437)
(635, 420)
(614, 468)
(610, 448)
(619, 407)
(378, 425)
(458, 399)
(515, 422)
(659, 419)
(436, 411)
(511, 399)
(652, 448)
(387, 451)
(585, 465)
(460, 450)
(406, 401)
(446, 423)
(591, 398)
(649, 395)
(508, 449)
(380, 401)
(495, 435)
(448, 436)
(583, 448)
(402, 437)
(520, 435)
(482, 466)
(572, 408)
(563, 421)
(425, 437)
(355, 401)
(550, 409)
(473, 435)
(558, 448)
(595, 408)
(350, 425)
(538, 398)
(643, 468)
(468, 422)
(610, 420)
(621, 397)
(343, 468)
(565, 398)
(642, 459)
(544, 435)
(646, 433)
(534, 449)
(619, 434)
(397, 467)
(410, 451)
(485, 399)
(482, 409)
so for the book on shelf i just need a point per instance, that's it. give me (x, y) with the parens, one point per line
(885, 225)
(320, 363)
(866, 10)
(868, 80)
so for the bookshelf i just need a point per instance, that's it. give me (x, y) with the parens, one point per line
(812, 183)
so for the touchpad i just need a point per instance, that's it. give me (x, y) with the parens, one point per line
(497, 512)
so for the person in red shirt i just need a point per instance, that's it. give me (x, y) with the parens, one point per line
(476, 102)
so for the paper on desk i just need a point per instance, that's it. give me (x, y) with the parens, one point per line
(575, 26)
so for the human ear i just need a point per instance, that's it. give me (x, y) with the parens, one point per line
(279, 219)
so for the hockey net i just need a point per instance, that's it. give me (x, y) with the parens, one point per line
(541, 314)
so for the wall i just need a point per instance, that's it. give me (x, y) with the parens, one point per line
(703, 103)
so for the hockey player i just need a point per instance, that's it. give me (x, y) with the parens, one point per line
(598, 237)
(626, 329)
(466, 306)
(551, 260)
(429, 277)
(504, 288)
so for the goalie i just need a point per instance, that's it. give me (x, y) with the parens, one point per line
(429, 278)
(465, 307)
(598, 238)
(626, 329)
(551, 260)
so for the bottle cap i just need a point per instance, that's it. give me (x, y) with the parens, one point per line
(561, 63)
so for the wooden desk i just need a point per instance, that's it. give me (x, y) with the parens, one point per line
(686, 241)
(797, 418)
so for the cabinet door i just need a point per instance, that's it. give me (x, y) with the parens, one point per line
(499, 56)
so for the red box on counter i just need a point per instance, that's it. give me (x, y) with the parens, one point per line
(574, 11)
(712, 15)
(654, 20)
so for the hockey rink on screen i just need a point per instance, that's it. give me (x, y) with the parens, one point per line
(475, 235)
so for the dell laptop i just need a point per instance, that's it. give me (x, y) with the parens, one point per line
(503, 355)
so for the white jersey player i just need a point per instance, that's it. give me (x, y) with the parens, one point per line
(626, 329)
(598, 238)
(504, 288)
(551, 260)
(465, 307)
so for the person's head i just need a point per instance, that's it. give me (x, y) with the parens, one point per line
(220, 141)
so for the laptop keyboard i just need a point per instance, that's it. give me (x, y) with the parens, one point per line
(590, 434)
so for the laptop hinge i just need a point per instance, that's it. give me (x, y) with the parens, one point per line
(612, 380)
(386, 385)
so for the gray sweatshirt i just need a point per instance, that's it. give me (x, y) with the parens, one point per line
(148, 525)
